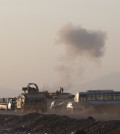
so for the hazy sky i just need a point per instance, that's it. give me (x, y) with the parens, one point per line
(29, 51)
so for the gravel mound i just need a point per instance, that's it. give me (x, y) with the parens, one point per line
(36, 123)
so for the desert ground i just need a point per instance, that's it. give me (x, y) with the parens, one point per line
(51, 123)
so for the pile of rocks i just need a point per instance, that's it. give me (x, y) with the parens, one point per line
(36, 123)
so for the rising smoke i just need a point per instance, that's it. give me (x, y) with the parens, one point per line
(79, 43)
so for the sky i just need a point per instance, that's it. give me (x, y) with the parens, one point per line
(31, 49)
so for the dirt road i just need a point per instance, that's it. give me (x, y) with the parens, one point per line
(104, 117)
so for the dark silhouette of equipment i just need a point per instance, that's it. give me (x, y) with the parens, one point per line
(31, 100)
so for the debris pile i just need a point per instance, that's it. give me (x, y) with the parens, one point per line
(36, 123)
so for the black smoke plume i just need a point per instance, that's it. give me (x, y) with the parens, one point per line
(80, 43)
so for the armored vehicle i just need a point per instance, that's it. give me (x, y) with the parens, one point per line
(31, 100)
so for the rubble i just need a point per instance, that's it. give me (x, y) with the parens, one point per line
(36, 123)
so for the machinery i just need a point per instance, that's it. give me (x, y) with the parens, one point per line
(7, 103)
(31, 100)
(55, 105)
(58, 106)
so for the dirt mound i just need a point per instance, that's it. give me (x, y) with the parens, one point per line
(36, 123)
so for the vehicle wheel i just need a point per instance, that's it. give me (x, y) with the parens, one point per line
(36, 110)
(17, 110)
(43, 109)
